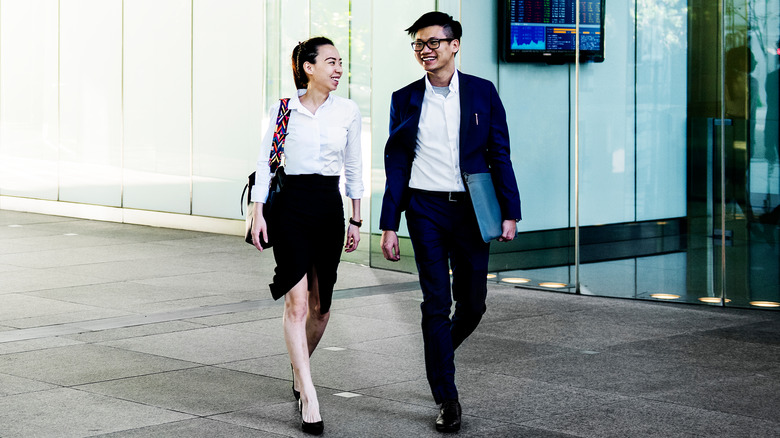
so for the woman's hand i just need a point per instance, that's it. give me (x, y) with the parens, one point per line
(259, 226)
(353, 238)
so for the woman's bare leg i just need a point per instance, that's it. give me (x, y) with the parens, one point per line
(316, 322)
(296, 309)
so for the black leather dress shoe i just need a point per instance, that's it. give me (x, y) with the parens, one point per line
(449, 417)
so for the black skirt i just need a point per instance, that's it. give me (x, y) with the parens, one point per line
(308, 227)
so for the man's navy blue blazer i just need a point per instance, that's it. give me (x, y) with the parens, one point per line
(484, 145)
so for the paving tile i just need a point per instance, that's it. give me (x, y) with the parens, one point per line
(11, 385)
(213, 256)
(157, 332)
(124, 295)
(21, 306)
(599, 371)
(56, 240)
(645, 418)
(349, 299)
(273, 310)
(10, 217)
(195, 428)
(484, 350)
(198, 391)
(397, 311)
(93, 254)
(707, 351)
(351, 275)
(354, 417)
(215, 282)
(211, 345)
(93, 337)
(127, 270)
(416, 392)
(34, 344)
(21, 279)
(765, 332)
(570, 330)
(366, 370)
(9, 268)
(67, 412)
(346, 329)
(754, 396)
(407, 347)
(515, 400)
(512, 431)
(79, 364)
(60, 318)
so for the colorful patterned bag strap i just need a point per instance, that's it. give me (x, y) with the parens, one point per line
(277, 154)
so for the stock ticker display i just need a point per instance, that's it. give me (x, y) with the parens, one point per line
(549, 25)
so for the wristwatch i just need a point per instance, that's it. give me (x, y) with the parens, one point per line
(356, 223)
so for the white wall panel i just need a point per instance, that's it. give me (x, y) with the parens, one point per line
(330, 18)
(228, 41)
(156, 93)
(90, 101)
(28, 98)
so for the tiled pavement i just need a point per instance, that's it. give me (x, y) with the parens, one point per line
(119, 330)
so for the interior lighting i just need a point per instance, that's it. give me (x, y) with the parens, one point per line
(489, 276)
(712, 300)
(665, 296)
(515, 280)
(764, 304)
(552, 284)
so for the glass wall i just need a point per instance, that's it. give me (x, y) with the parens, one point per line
(158, 106)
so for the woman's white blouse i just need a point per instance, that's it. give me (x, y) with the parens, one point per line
(320, 143)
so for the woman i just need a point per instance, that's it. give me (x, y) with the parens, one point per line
(323, 135)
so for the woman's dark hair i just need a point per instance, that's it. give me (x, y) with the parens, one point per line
(306, 52)
(452, 27)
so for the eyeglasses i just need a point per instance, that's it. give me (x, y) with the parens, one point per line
(432, 43)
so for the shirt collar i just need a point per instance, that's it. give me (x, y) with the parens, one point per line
(454, 83)
(295, 101)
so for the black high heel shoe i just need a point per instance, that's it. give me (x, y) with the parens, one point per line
(311, 428)
(296, 394)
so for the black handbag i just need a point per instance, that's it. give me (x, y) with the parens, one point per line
(276, 164)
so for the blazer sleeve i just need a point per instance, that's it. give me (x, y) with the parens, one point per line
(498, 157)
(398, 163)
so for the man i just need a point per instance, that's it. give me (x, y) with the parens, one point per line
(441, 126)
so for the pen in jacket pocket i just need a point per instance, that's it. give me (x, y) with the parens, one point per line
(476, 118)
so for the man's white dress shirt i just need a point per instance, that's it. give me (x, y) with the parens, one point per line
(436, 165)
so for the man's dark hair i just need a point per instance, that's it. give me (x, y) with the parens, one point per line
(452, 27)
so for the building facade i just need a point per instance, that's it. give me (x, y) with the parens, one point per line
(652, 175)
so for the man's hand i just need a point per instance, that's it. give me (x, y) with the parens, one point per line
(389, 244)
(509, 230)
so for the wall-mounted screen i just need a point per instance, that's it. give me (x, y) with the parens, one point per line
(545, 30)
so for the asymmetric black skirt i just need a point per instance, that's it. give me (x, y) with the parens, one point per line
(308, 232)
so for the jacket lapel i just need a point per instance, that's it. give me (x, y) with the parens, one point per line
(466, 98)
(415, 99)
